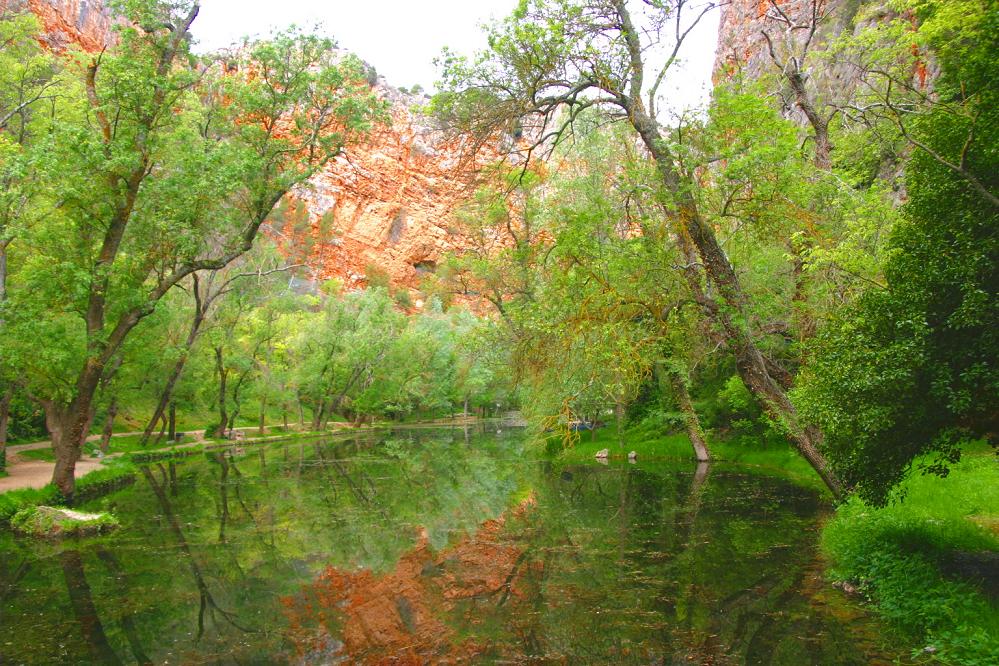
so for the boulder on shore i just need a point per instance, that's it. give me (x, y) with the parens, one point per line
(603, 454)
(47, 521)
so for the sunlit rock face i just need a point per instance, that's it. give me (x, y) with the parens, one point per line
(387, 205)
(87, 23)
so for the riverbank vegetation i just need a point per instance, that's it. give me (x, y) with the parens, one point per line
(142, 186)
(810, 260)
(802, 275)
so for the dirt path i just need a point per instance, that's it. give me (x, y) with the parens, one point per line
(26, 473)
(44, 444)
(23, 473)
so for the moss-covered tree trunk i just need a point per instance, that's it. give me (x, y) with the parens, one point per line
(691, 421)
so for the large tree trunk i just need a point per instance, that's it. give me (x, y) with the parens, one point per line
(750, 361)
(69, 425)
(5, 401)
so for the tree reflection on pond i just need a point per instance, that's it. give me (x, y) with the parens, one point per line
(436, 546)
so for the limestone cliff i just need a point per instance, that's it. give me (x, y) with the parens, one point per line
(742, 46)
(87, 23)
(387, 205)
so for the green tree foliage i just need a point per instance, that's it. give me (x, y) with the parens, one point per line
(911, 368)
(156, 164)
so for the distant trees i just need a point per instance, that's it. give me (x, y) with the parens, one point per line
(361, 357)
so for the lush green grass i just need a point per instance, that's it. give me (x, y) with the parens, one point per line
(648, 442)
(13, 501)
(895, 555)
(113, 475)
(38, 454)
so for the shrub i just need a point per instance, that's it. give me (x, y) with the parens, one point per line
(895, 556)
(119, 474)
(170, 454)
(13, 501)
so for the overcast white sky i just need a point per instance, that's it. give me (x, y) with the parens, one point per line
(402, 37)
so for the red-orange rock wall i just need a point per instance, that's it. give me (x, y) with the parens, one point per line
(389, 203)
(87, 23)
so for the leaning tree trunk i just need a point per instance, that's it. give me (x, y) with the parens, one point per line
(750, 362)
(690, 419)
(178, 368)
(163, 427)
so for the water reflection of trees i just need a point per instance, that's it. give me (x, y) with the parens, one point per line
(610, 564)
(606, 565)
(210, 544)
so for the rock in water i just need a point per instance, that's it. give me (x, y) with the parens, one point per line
(603, 454)
(633, 456)
(47, 521)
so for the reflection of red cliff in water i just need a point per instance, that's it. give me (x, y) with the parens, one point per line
(402, 616)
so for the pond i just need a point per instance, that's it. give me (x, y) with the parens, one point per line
(436, 546)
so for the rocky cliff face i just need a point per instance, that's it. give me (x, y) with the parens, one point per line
(742, 46)
(87, 23)
(386, 206)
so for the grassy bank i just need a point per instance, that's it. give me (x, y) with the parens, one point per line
(652, 443)
(114, 475)
(924, 562)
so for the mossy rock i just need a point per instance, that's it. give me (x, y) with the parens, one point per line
(55, 522)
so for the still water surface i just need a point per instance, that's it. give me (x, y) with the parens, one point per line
(436, 546)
